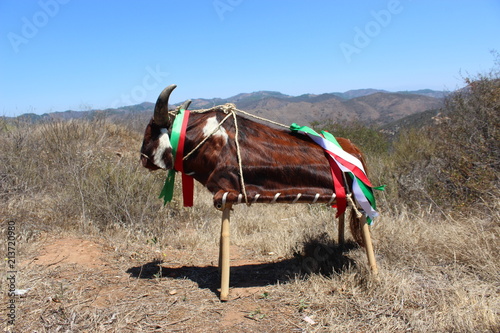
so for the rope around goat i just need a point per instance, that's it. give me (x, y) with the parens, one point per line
(230, 107)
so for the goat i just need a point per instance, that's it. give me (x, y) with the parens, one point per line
(242, 157)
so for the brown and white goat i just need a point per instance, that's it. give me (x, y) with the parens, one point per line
(273, 161)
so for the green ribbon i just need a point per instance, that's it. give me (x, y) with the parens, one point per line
(167, 193)
(329, 136)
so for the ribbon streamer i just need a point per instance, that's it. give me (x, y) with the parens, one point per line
(177, 139)
(349, 164)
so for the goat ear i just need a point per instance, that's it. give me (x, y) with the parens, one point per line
(185, 105)
(160, 116)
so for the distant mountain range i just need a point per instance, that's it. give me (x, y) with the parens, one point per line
(377, 107)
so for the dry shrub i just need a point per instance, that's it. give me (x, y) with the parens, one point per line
(454, 164)
(85, 173)
(408, 170)
(469, 155)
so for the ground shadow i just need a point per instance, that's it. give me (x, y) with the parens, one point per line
(323, 256)
(317, 257)
(253, 275)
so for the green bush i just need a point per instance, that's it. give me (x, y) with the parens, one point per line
(368, 139)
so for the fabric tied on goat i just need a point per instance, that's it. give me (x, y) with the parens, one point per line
(177, 138)
(339, 159)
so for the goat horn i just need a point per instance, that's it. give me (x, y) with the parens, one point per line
(185, 105)
(160, 116)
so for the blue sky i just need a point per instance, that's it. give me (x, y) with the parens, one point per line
(57, 55)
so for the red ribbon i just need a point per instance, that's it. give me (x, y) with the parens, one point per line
(338, 183)
(354, 169)
(187, 181)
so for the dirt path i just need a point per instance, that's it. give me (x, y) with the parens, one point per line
(88, 285)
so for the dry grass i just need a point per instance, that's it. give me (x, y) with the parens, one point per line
(73, 184)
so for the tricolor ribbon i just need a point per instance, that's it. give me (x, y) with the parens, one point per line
(341, 160)
(177, 139)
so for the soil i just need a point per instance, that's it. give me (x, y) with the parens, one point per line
(92, 286)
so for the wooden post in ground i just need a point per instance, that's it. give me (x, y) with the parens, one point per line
(341, 228)
(224, 254)
(369, 246)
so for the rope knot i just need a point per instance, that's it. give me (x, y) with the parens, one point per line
(228, 108)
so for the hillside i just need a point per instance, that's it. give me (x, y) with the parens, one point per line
(366, 105)
(372, 106)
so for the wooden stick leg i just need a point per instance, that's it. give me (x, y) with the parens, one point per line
(369, 247)
(341, 229)
(224, 254)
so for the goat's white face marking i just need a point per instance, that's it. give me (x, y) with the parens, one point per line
(164, 144)
(211, 125)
